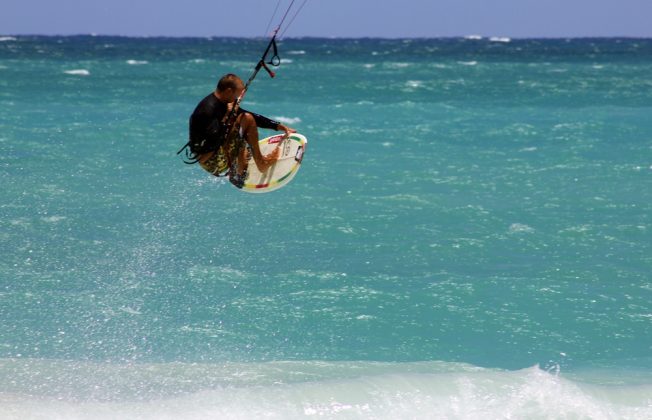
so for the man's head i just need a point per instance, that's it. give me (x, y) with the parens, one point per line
(229, 87)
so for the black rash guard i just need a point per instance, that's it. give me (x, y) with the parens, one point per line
(206, 119)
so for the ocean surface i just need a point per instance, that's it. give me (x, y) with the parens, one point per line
(469, 237)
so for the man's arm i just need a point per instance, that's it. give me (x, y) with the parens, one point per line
(263, 122)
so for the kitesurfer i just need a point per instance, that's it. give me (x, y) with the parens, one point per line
(218, 144)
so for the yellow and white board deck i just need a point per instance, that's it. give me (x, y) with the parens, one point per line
(293, 147)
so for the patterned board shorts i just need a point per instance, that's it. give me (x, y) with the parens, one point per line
(217, 164)
(224, 161)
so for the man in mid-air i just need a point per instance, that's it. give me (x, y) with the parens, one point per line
(219, 151)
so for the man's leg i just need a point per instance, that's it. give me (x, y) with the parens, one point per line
(243, 155)
(250, 130)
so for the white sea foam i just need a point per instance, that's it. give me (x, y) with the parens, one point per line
(137, 62)
(78, 72)
(7, 38)
(473, 37)
(20, 222)
(500, 39)
(352, 390)
(53, 219)
(520, 228)
(468, 63)
(414, 84)
(286, 61)
(288, 120)
(129, 310)
(296, 52)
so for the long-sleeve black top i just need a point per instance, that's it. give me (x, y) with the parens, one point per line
(207, 117)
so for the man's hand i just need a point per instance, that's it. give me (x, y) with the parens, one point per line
(288, 130)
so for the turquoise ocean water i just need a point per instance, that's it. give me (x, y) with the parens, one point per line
(470, 235)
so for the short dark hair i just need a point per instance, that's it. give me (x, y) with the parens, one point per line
(228, 81)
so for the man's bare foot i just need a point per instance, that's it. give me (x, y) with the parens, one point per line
(269, 160)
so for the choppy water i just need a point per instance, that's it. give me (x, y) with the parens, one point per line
(470, 235)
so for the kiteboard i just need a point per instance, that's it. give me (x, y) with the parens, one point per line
(293, 148)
